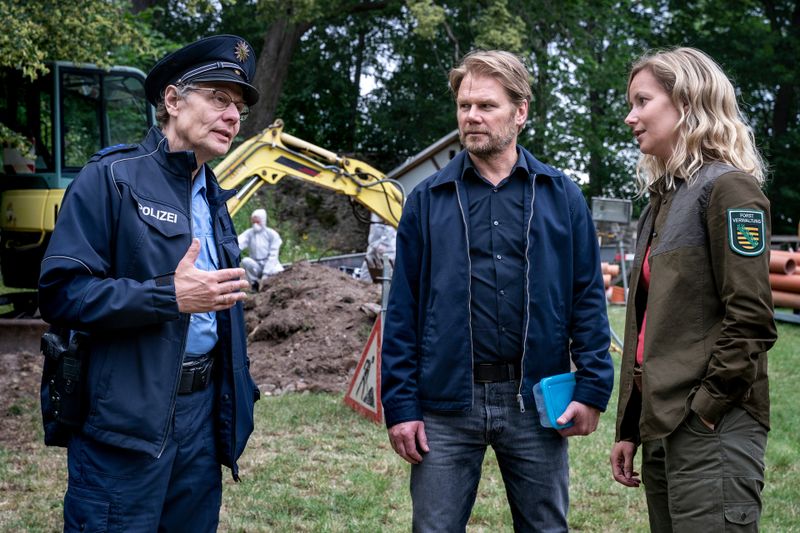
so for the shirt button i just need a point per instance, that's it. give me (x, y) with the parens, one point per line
(496, 223)
(494, 190)
(502, 292)
(499, 257)
(503, 328)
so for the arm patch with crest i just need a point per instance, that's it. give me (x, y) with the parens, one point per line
(746, 231)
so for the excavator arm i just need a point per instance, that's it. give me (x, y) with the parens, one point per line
(272, 155)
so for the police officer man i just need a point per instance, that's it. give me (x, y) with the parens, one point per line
(144, 260)
(264, 245)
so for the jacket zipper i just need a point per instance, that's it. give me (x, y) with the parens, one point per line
(220, 254)
(183, 346)
(469, 299)
(527, 297)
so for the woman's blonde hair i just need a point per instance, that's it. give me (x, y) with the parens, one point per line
(711, 126)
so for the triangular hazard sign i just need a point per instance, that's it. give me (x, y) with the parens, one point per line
(364, 392)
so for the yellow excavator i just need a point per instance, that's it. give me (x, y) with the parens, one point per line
(78, 109)
(272, 155)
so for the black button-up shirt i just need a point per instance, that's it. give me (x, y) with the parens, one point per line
(497, 251)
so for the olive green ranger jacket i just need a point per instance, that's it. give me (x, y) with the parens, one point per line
(709, 306)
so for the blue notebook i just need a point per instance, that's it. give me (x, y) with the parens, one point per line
(552, 395)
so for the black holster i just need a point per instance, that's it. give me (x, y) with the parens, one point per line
(63, 387)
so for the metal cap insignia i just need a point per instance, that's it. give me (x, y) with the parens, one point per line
(242, 51)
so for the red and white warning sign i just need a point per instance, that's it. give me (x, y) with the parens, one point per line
(364, 392)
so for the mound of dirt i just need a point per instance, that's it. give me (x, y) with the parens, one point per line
(306, 329)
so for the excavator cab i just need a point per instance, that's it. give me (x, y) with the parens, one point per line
(66, 116)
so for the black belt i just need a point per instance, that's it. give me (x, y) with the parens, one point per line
(196, 374)
(494, 372)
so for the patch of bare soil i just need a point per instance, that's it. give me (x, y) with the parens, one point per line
(19, 391)
(306, 330)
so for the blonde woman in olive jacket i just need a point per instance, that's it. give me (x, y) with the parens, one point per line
(693, 386)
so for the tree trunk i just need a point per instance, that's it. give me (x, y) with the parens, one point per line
(272, 69)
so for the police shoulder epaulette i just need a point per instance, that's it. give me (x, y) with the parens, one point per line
(112, 150)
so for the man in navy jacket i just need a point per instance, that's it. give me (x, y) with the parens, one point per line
(497, 284)
(144, 261)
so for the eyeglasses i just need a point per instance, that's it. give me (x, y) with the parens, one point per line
(222, 100)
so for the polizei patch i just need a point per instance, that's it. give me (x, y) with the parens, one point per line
(746, 231)
(158, 214)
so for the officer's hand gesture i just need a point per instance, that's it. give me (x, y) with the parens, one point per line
(200, 291)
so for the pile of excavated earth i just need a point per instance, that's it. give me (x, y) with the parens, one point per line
(306, 330)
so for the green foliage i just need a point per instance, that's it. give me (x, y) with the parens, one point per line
(497, 28)
(86, 31)
(428, 16)
(12, 139)
(578, 53)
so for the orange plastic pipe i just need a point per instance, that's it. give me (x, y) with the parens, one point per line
(786, 299)
(782, 282)
(781, 264)
(795, 256)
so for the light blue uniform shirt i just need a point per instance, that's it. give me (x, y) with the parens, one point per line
(202, 326)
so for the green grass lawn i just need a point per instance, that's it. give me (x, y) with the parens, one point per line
(314, 465)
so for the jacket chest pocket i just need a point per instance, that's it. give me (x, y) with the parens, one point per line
(230, 252)
(151, 240)
(163, 218)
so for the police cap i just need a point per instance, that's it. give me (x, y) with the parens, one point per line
(225, 58)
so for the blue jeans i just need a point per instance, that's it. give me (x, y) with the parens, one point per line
(113, 489)
(533, 461)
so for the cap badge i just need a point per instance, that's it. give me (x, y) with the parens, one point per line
(242, 51)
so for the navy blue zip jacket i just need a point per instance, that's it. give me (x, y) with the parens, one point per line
(426, 356)
(124, 225)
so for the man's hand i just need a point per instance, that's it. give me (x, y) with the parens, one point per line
(199, 291)
(408, 439)
(585, 419)
(622, 463)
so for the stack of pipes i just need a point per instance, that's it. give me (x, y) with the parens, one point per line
(784, 278)
(613, 293)
(609, 272)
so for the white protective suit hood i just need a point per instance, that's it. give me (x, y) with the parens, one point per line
(261, 215)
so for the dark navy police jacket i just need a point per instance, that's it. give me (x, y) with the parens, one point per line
(427, 351)
(124, 225)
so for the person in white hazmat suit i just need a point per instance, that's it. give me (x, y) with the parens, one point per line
(381, 241)
(264, 245)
